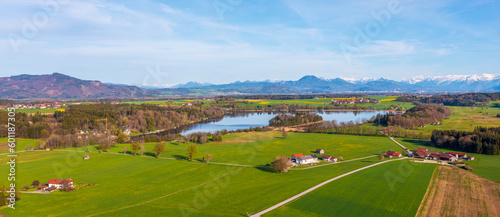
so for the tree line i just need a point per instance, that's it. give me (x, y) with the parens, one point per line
(482, 140)
(469, 99)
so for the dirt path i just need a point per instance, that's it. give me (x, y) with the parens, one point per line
(456, 192)
(316, 187)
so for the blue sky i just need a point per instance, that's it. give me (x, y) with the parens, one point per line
(150, 42)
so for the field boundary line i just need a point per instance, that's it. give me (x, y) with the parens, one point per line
(427, 192)
(318, 186)
(312, 167)
(152, 200)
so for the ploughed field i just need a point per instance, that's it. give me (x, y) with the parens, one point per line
(456, 192)
(390, 189)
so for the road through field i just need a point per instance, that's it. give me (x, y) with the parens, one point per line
(318, 186)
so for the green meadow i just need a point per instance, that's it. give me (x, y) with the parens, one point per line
(260, 148)
(144, 186)
(391, 189)
(22, 144)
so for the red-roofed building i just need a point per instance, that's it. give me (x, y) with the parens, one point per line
(58, 183)
(329, 158)
(295, 156)
(387, 155)
(390, 152)
(395, 154)
(423, 149)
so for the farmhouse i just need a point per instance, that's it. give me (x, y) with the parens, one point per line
(329, 158)
(295, 156)
(86, 157)
(387, 155)
(470, 158)
(447, 157)
(47, 149)
(320, 151)
(58, 183)
(458, 155)
(394, 154)
(307, 159)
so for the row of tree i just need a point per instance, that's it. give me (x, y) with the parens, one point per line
(469, 99)
(482, 140)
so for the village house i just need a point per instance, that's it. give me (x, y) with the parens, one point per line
(307, 159)
(58, 183)
(388, 155)
(86, 157)
(320, 151)
(329, 158)
(458, 155)
(295, 156)
(394, 153)
(470, 158)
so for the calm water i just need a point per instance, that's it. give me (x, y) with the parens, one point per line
(260, 119)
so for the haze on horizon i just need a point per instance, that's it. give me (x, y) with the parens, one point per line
(219, 41)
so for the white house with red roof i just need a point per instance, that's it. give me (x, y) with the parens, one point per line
(58, 183)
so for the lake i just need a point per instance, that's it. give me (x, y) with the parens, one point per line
(260, 119)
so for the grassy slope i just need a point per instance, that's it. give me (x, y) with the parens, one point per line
(261, 148)
(487, 166)
(367, 193)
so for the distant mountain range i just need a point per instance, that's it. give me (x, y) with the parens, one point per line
(59, 86)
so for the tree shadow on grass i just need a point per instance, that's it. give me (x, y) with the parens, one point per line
(265, 169)
(181, 157)
(150, 154)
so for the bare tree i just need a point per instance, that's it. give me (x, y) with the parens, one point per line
(285, 134)
(281, 164)
(142, 149)
(208, 157)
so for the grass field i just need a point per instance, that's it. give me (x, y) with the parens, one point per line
(260, 148)
(21, 144)
(34, 110)
(144, 186)
(367, 193)
(487, 166)
(466, 118)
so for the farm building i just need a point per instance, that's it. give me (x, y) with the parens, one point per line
(458, 155)
(320, 151)
(387, 155)
(86, 157)
(447, 157)
(307, 159)
(295, 156)
(329, 158)
(47, 149)
(394, 154)
(58, 183)
(470, 158)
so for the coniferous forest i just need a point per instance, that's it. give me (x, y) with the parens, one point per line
(482, 140)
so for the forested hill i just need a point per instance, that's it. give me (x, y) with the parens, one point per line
(59, 86)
